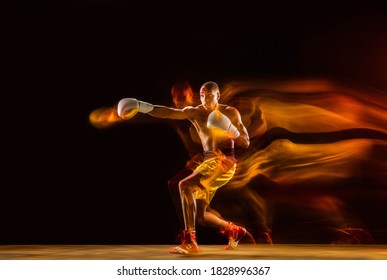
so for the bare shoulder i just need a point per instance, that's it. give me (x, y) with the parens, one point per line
(228, 109)
(188, 108)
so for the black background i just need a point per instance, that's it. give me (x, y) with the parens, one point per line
(64, 181)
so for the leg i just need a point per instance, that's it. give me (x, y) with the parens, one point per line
(220, 173)
(201, 186)
(188, 187)
(197, 209)
(173, 187)
(207, 217)
(234, 233)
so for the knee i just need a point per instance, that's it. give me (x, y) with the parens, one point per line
(184, 186)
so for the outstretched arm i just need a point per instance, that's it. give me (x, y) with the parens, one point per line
(164, 112)
(129, 107)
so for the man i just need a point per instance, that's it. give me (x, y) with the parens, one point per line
(183, 96)
(219, 128)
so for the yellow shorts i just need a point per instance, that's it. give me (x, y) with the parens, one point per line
(217, 171)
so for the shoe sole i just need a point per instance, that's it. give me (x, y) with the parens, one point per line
(246, 233)
(181, 251)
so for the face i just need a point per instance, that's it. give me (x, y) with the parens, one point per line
(209, 98)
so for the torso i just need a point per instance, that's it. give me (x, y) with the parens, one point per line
(209, 141)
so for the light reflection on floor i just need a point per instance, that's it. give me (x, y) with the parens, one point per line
(160, 252)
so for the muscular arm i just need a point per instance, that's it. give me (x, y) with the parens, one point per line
(164, 112)
(128, 107)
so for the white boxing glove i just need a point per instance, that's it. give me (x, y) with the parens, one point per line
(218, 120)
(127, 108)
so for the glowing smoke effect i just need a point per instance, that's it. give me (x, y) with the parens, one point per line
(310, 139)
(319, 144)
(312, 128)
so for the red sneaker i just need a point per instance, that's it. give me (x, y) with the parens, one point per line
(235, 234)
(189, 244)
